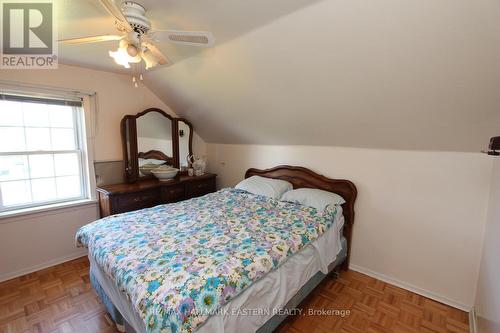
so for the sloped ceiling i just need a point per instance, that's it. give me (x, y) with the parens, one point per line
(392, 74)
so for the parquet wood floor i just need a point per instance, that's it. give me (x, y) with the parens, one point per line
(60, 300)
(375, 307)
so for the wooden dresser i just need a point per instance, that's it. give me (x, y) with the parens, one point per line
(120, 198)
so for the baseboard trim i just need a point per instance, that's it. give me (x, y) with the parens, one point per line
(38, 267)
(486, 324)
(411, 288)
(472, 321)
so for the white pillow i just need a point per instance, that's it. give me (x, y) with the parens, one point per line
(273, 188)
(144, 161)
(315, 198)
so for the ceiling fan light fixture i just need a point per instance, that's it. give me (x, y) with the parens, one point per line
(137, 41)
(123, 55)
(149, 59)
(132, 50)
(120, 57)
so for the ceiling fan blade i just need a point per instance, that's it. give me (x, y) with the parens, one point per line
(117, 14)
(90, 39)
(158, 58)
(194, 38)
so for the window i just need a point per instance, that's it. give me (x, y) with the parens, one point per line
(42, 156)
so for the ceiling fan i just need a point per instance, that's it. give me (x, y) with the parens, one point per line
(137, 40)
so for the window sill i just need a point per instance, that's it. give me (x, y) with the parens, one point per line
(7, 217)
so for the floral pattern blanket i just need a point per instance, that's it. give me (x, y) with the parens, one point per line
(178, 263)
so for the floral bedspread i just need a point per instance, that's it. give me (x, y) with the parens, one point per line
(179, 263)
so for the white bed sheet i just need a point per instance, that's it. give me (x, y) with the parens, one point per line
(268, 294)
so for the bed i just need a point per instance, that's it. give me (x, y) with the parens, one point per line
(225, 262)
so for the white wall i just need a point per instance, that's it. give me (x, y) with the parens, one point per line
(32, 242)
(488, 291)
(419, 215)
(389, 74)
(41, 240)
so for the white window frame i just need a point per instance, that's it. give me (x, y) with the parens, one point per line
(81, 150)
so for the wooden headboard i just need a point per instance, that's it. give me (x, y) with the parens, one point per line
(301, 177)
(157, 155)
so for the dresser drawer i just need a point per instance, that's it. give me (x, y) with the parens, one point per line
(134, 201)
(172, 193)
(201, 187)
(125, 197)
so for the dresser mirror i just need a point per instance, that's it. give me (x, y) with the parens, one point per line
(152, 138)
(185, 134)
(155, 144)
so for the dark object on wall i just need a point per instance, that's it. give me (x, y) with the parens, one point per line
(494, 147)
(181, 133)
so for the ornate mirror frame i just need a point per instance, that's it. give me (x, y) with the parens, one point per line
(131, 154)
(190, 141)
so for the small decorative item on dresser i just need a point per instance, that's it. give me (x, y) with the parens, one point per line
(190, 172)
(165, 173)
(147, 169)
(199, 164)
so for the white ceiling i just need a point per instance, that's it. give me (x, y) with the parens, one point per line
(413, 74)
(226, 19)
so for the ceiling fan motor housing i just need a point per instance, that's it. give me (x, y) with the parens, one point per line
(136, 16)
